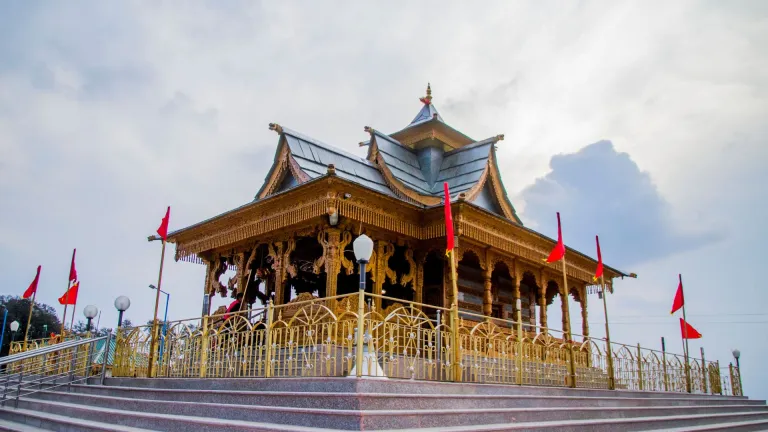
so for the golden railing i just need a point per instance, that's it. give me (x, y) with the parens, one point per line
(319, 338)
(22, 346)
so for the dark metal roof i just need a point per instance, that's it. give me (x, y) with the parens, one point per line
(314, 157)
(402, 162)
(427, 112)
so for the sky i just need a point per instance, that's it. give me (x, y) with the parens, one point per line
(641, 122)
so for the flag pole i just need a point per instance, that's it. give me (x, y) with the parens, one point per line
(64, 318)
(568, 337)
(153, 342)
(685, 340)
(455, 316)
(72, 322)
(29, 319)
(609, 354)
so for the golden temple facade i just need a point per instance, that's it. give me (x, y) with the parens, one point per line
(293, 242)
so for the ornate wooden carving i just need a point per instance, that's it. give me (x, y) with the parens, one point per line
(410, 276)
(280, 254)
(347, 264)
(332, 260)
(384, 251)
(217, 268)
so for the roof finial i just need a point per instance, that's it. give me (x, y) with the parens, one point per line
(428, 99)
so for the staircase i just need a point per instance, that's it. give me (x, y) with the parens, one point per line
(326, 404)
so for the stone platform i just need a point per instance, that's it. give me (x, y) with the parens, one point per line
(348, 404)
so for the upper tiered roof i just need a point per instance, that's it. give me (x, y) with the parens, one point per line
(410, 164)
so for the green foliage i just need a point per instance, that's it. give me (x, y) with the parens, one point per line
(44, 320)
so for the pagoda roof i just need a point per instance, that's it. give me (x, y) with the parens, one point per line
(412, 172)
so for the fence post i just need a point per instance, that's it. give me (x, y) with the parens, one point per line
(455, 341)
(664, 364)
(611, 371)
(359, 336)
(89, 351)
(639, 367)
(704, 371)
(718, 378)
(268, 354)
(733, 383)
(204, 348)
(105, 358)
(519, 342)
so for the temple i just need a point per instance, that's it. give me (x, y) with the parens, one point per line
(293, 242)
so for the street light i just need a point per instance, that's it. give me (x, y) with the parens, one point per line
(14, 329)
(167, 300)
(122, 304)
(363, 248)
(165, 321)
(90, 313)
(736, 354)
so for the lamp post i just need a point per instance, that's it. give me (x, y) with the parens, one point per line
(165, 322)
(363, 248)
(122, 304)
(14, 329)
(2, 332)
(167, 300)
(90, 313)
(736, 354)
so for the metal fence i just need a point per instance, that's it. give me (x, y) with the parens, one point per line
(52, 366)
(346, 336)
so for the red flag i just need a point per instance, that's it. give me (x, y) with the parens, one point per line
(688, 331)
(599, 271)
(70, 297)
(679, 299)
(33, 286)
(448, 220)
(163, 230)
(558, 252)
(72, 269)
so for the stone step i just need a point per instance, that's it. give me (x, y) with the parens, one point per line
(680, 423)
(9, 426)
(66, 423)
(396, 386)
(366, 419)
(392, 401)
(33, 421)
(123, 421)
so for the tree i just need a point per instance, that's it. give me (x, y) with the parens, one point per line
(44, 320)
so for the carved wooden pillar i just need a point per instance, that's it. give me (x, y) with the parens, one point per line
(532, 309)
(584, 321)
(207, 286)
(276, 253)
(281, 264)
(487, 296)
(564, 308)
(418, 284)
(516, 297)
(332, 260)
(384, 251)
(543, 304)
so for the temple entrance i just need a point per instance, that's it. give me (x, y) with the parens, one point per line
(305, 280)
(432, 291)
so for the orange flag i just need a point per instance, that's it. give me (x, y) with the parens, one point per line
(33, 286)
(558, 252)
(70, 297)
(448, 220)
(163, 230)
(679, 299)
(599, 271)
(688, 331)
